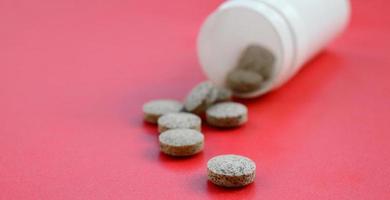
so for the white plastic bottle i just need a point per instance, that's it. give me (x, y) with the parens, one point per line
(293, 30)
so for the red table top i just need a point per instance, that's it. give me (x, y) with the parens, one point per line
(74, 76)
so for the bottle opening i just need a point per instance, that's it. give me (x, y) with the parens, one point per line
(253, 70)
(245, 39)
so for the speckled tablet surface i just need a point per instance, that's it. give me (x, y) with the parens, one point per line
(181, 142)
(179, 120)
(156, 108)
(231, 170)
(227, 114)
(200, 97)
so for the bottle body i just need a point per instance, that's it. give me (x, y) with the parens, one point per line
(294, 31)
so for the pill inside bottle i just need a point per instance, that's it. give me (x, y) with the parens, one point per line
(252, 71)
(255, 46)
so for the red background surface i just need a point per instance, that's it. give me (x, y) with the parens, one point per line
(74, 75)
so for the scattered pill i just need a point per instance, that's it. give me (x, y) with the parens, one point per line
(200, 97)
(231, 170)
(227, 115)
(180, 131)
(156, 108)
(179, 120)
(181, 142)
(244, 81)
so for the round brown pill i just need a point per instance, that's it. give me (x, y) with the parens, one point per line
(179, 120)
(181, 142)
(244, 81)
(224, 95)
(257, 58)
(231, 170)
(156, 108)
(227, 115)
(200, 97)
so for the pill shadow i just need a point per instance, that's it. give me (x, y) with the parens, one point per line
(313, 76)
(166, 158)
(199, 183)
(210, 128)
(144, 131)
(214, 129)
(177, 164)
(214, 189)
(150, 129)
(181, 163)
